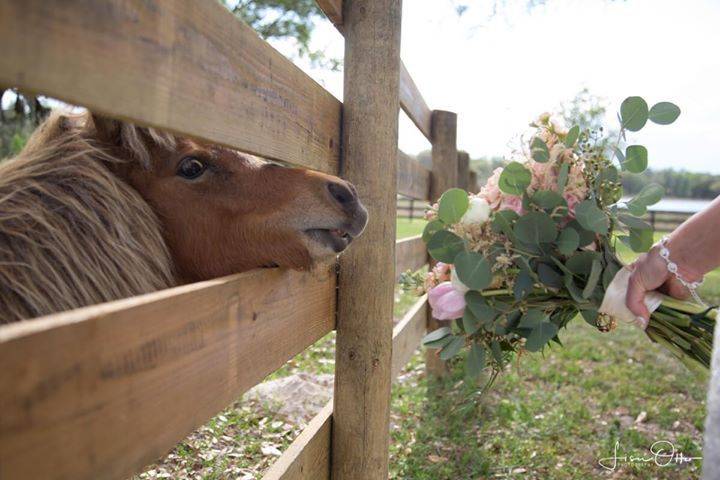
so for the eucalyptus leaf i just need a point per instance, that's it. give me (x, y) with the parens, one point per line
(568, 241)
(609, 274)
(572, 136)
(593, 279)
(470, 322)
(539, 150)
(586, 236)
(540, 336)
(496, 351)
(452, 348)
(514, 179)
(532, 318)
(436, 335)
(634, 113)
(547, 199)
(523, 285)
(535, 228)
(641, 239)
(573, 289)
(549, 276)
(479, 306)
(590, 316)
(619, 154)
(503, 222)
(437, 344)
(475, 362)
(591, 217)
(649, 195)
(453, 205)
(581, 263)
(563, 177)
(431, 228)
(664, 113)
(636, 159)
(634, 222)
(444, 246)
(473, 270)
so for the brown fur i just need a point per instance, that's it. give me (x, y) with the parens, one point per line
(94, 210)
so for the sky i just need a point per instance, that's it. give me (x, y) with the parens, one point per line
(498, 72)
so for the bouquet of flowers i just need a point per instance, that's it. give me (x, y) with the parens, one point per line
(537, 246)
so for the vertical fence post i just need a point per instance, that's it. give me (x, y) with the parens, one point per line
(361, 415)
(473, 182)
(412, 208)
(444, 176)
(463, 166)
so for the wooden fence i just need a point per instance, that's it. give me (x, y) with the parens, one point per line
(100, 392)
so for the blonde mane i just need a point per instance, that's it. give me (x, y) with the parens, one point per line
(72, 233)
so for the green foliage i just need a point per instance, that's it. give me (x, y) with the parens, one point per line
(636, 159)
(634, 113)
(515, 178)
(572, 136)
(649, 195)
(535, 228)
(568, 241)
(664, 113)
(453, 205)
(591, 218)
(444, 246)
(473, 270)
(539, 150)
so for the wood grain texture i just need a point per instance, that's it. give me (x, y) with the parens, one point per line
(333, 11)
(473, 186)
(410, 254)
(408, 333)
(187, 66)
(413, 179)
(444, 176)
(360, 439)
(308, 456)
(100, 392)
(463, 166)
(413, 103)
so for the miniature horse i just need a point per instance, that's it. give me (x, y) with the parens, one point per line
(94, 209)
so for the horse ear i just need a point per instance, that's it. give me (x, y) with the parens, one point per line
(107, 129)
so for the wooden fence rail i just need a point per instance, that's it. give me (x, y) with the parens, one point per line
(99, 392)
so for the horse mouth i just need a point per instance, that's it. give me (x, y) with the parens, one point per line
(336, 239)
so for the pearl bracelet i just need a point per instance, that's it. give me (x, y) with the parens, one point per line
(673, 268)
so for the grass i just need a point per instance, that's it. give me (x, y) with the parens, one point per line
(550, 416)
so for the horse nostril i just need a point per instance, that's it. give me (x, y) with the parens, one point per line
(343, 193)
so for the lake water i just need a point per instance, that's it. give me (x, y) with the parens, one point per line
(684, 205)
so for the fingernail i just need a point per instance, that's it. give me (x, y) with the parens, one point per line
(641, 322)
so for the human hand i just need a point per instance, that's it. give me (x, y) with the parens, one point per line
(650, 272)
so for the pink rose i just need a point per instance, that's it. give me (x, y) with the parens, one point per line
(512, 202)
(446, 302)
(490, 192)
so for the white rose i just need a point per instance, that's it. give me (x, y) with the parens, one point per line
(457, 284)
(478, 212)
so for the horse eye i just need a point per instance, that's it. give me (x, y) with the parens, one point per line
(191, 168)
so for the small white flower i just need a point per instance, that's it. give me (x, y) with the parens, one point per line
(457, 284)
(478, 212)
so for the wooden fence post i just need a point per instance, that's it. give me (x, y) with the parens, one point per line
(474, 188)
(360, 427)
(444, 176)
(463, 166)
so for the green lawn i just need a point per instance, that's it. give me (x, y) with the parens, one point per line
(550, 416)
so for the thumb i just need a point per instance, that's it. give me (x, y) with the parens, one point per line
(634, 299)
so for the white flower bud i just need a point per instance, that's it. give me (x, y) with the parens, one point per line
(478, 212)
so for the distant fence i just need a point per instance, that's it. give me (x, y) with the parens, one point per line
(100, 392)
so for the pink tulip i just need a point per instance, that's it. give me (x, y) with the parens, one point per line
(446, 302)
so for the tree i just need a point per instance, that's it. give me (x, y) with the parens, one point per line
(285, 19)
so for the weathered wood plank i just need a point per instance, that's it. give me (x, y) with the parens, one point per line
(308, 456)
(410, 254)
(413, 180)
(413, 103)
(98, 393)
(408, 333)
(186, 66)
(360, 432)
(333, 10)
(444, 176)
